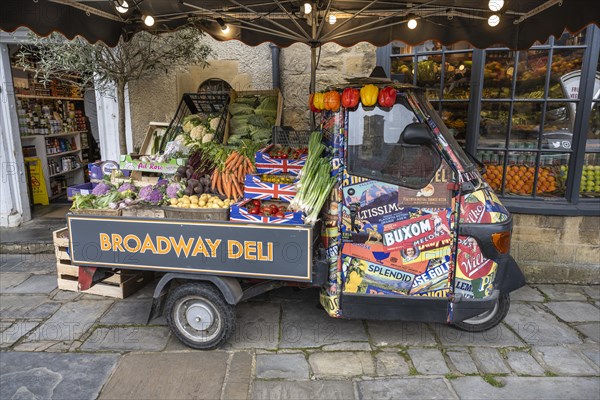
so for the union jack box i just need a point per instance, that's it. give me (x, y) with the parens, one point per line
(255, 188)
(239, 212)
(265, 164)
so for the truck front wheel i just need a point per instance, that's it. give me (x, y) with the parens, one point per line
(199, 316)
(488, 319)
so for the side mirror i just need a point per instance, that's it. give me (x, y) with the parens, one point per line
(417, 134)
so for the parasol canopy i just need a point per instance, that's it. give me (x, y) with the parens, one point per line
(520, 23)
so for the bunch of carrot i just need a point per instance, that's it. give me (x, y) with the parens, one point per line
(229, 180)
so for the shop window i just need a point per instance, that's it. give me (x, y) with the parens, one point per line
(498, 74)
(214, 85)
(590, 175)
(377, 152)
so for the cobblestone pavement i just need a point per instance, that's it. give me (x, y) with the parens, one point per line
(67, 345)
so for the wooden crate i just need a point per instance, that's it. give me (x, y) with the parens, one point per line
(136, 178)
(121, 284)
(234, 95)
(143, 211)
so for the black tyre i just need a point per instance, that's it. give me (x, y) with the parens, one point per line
(199, 316)
(488, 319)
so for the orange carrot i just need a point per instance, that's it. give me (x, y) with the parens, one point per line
(214, 180)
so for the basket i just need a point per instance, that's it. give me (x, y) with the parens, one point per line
(108, 212)
(286, 136)
(202, 103)
(200, 214)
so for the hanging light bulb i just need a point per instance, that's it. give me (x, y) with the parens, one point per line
(412, 23)
(496, 5)
(121, 6)
(493, 20)
(307, 8)
(223, 25)
(332, 19)
(148, 20)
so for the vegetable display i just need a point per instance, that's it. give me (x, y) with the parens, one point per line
(202, 201)
(252, 117)
(283, 152)
(332, 100)
(319, 101)
(387, 97)
(229, 180)
(350, 97)
(368, 95)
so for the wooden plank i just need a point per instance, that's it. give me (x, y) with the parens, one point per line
(61, 237)
(129, 285)
(62, 254)
(98, 289)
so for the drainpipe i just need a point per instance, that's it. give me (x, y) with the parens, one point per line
(275, 51)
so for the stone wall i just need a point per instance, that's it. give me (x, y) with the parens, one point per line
(336, 63)
(554, 249)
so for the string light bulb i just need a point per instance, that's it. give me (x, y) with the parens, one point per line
(332, 19)
(493, 20)
(148, 20)
(223, 25)
(122, 6)
(496, 5)
(412, 23)
(307, 8)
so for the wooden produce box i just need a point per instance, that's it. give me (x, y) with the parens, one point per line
(107, 212)
(239, 93)
(147, 145)
(121, 284)
(136, 178)
(200, 214)
(143, 211)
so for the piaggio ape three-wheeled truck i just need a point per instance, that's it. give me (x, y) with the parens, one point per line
(410, 232)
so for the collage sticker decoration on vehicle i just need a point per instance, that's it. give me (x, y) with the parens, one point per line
(482, 207)
(474, 273)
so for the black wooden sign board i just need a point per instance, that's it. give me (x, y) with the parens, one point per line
(281, 252)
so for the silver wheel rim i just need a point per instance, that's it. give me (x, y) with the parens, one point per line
(484, 317)
(197, 319)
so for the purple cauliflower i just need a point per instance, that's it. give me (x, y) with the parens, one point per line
(150, 195)
(102, 189)
(162, 182)
(127, 186)
(174, 189)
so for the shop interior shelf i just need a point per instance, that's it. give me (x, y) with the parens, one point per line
(64, 153)
(65, 172)
(34, 96)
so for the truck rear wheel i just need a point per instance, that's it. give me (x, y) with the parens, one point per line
(488, 319)
(199, 316)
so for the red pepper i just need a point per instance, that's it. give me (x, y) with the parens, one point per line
(311, 104)
(350, 97)
(387, 97)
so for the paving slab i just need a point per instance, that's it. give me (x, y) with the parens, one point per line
(538, 327)
(37, 346)
(524, 364)
(489, 361)
(65, 295)
(562, 292)
(526, 293)
(317, 390)
(498, 336)
(593, 291)
(36, 264)
(348, 346)
(574, 311)
(391, 363)
(593, 354)
(9, 280)
(127, 312)
(281, 366)
(257, 326)
(16, 306)
(404, 388)
(239, 376)
(397, 333)
(35, 284)
(54, 375)
(591, 330)
(474, 387)
(305, 326)
(43, 311)
(564, 361)
(198, 375)
(4, 325)
(134, 338)
(12, 334)
(8, 261)
(341, 364)
(461, 358)
(71, 321)
(428, 361)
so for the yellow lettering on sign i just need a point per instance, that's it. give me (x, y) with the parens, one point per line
(199, 248)
(182, 245)
(137, 241)
(234, 249)
(117, 243)
(104, 242)
(148, 245)
(261, 253)
(249, 250)
(163, 245)
(213, 246)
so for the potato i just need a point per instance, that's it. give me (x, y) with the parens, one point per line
(194, 197)
(185, 196)
(201, 203)
(194, 200)
(193, 205)
(185, 205)
(173, 202)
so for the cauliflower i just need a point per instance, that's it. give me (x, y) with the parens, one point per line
(197, 132)
(102, 189)
(174, 190)
(208, 137)
(127, 190)
(187, 127)
(180, 138)
(214, 123)
(162, 182)
(151, 195)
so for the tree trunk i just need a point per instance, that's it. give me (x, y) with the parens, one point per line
(121, 107)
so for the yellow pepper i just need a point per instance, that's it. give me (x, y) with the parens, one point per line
(368, 95)
(319, 101)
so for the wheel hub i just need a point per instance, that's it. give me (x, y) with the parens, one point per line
(199, 317)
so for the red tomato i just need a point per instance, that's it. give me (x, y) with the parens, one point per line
(274, 209)
(256, 203)
(254, 211)
(280, 215)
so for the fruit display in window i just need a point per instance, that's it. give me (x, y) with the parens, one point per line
(519, 179)
(590, 179)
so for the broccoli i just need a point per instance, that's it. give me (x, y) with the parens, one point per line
(102, 189)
